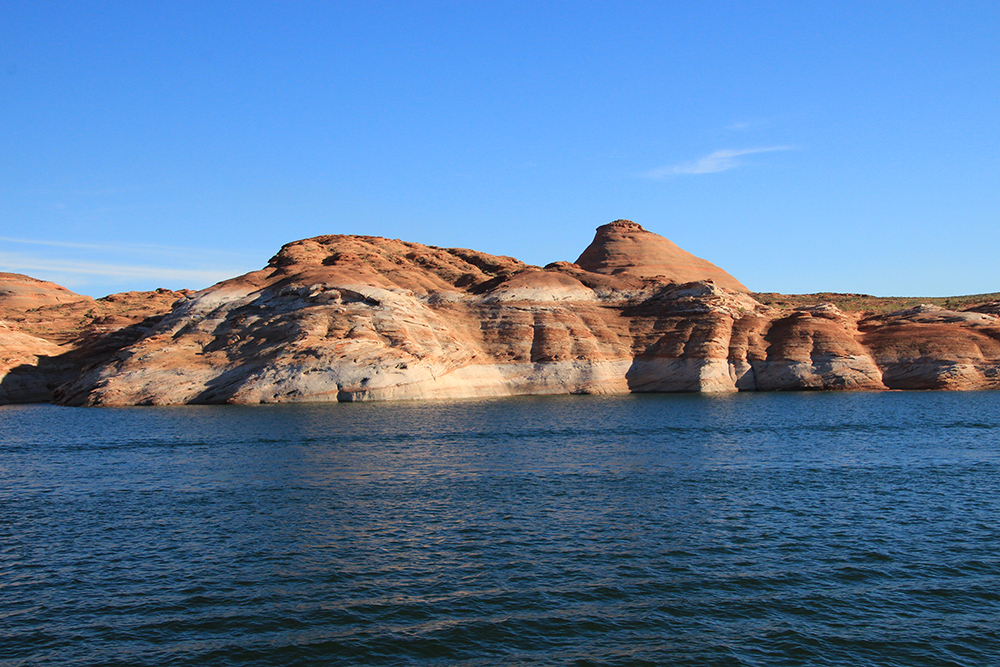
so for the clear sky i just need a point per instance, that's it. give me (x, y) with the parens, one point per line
(802, 146)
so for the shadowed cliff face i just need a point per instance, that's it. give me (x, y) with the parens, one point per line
(59, 333)
(346, 318)
(28, 370)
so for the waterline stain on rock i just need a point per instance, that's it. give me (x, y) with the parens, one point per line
(348, 318)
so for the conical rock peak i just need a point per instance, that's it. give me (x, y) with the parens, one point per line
(624, 247)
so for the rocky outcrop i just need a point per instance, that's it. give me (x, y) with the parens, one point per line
(347, 318)
(928, 347)
(19, 293)
(623, 247)
(27, 370)
(50, 342)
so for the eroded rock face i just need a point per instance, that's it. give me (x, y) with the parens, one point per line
(624, 247)
(348, 318)
(28, 370)
(50, 342)
(19, 292)
(932, 348)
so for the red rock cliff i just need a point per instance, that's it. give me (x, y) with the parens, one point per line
(344, 318)
(623, 247)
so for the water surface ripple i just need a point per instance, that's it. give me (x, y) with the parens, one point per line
(754, 529)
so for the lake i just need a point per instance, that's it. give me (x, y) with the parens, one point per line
(745, 529)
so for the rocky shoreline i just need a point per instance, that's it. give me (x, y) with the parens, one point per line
(348, 318)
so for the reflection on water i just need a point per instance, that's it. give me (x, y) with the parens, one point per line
(754, 529)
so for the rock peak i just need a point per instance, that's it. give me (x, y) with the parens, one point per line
(20, 291)
(625, 247)
(622, 224)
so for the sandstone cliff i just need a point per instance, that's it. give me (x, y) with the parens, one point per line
(20, 293)
(624, 248)
(26, 373)
(49, 334)
(346, 318)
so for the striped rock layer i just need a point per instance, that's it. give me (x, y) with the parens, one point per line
(348, 318)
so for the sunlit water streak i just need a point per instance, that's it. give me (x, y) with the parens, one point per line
(760, 529)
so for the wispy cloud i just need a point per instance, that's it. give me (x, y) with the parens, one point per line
(123, 248)
(16, 263)
(713, 163)
(747, 124)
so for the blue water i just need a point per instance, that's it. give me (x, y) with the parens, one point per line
(752, 529)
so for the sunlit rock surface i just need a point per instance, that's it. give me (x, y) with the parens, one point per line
(349, 318)
(59, 333)
(623, 247)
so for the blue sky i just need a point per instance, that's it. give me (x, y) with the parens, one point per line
(803, 147)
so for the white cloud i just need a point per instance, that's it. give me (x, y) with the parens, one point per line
(16, 263)
(125, 248)
(76, 265)
(722, 160)
(747, 124)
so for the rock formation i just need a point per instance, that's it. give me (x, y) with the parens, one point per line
(49, 334)
(932, 348)
(19, 293)
(26, 376)
(347, 318)
(623, 247)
